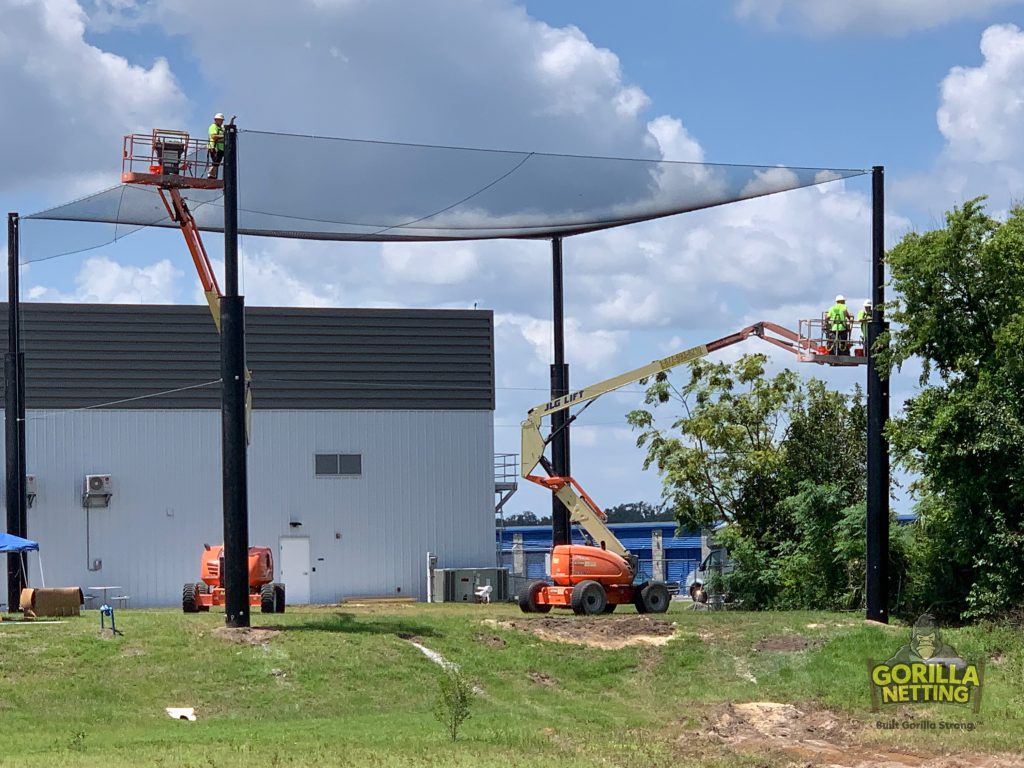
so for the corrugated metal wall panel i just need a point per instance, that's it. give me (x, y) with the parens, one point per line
(79, 355)
(427, 484)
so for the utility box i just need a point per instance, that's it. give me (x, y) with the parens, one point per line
(459, 585)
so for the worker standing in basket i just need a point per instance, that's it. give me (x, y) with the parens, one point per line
(864, 317)
(215, 147)
(839, 319)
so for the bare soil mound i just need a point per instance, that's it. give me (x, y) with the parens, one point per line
(491, 641)
(784, 643)
(246, 635)
(543, 679)
(597, 631)
(816, 737)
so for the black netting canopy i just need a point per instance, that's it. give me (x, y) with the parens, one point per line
(342, 189)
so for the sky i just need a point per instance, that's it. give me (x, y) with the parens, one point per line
(931, 89)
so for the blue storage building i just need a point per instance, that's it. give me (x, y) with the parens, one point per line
(681, 549)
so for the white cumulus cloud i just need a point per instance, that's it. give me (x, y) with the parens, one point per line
(886, 17)
(102, 280)
(981, 117)
(67, 103)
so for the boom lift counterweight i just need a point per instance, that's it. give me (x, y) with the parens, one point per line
(594, 578)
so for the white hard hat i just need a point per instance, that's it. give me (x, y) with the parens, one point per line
(867, 302)
(840, 297)
(219, 116)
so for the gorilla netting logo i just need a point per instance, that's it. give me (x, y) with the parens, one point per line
(926, 670)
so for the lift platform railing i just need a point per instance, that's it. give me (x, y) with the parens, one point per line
(166, 158)
(817, 344)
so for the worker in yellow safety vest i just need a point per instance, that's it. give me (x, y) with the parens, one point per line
(864, 317)
(838, 320)
(215, 146)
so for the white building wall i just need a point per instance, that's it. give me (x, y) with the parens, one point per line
(427, 484)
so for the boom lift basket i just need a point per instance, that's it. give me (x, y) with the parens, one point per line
(168, 159)
(815, 344)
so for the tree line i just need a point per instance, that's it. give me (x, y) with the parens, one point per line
(782, 461)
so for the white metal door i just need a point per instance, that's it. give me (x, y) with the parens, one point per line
(293, 562)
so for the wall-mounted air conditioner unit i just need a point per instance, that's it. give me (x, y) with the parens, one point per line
(97, 491)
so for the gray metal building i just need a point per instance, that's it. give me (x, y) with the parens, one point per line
(372, 443)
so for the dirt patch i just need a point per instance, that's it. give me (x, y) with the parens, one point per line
(410, 637)
(783, 643)
(129, 652)
(491, 641)
(246, 635)
(541, 679)
(882, 624)
(813, 736)
(596, 632)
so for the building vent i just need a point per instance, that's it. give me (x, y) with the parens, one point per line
(97, 491)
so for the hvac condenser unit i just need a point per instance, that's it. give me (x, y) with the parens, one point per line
(97, 491)
(459, 585)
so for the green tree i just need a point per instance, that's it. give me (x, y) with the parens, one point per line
(726, 465)
(638, 512)
(782, 462)
(525, 518)
(960, 310)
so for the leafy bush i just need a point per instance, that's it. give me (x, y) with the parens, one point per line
(454, 696)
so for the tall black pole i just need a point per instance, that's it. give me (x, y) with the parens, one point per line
(560, 528)
(232, 371)
(878, 415)
(12, 390)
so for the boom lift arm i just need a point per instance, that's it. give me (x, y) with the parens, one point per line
(171, 160)
(582, 508)
(179, 212)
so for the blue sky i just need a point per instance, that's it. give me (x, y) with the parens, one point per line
(851, 83)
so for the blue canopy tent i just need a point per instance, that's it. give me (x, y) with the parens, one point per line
(9, 543)
(15, 544)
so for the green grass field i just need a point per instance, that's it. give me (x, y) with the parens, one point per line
(340, 686)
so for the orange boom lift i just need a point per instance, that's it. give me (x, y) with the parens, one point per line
(172, 161)
(263, 592)
(595, 578)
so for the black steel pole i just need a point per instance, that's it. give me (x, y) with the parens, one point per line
(878, 415)
(561, 532)
(22, 461)
(15, 573)
(232, 371)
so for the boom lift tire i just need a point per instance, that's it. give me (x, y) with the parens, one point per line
(610, 608)
(188, 599)
(588, 598)
(267, 601)
(652, 597)
(528, 598)
(279, 598)
(202, 588)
